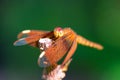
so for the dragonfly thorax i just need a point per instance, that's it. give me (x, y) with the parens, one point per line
(45, 43)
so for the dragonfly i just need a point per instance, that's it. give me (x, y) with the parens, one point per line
(63, 42)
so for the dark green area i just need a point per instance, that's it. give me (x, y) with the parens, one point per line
(97, 20)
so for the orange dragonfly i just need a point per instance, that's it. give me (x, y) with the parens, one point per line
(64, 41)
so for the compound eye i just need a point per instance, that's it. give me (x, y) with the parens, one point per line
(61, 33)
(58, 32)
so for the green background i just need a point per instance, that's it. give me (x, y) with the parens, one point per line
(97, 20)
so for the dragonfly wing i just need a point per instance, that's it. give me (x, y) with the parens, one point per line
(27, 33)
(70, 52)
(32, 40)
(60, 47)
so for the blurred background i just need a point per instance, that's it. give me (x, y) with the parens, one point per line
(97, 20)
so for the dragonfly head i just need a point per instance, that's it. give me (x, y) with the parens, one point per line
(58, 32)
